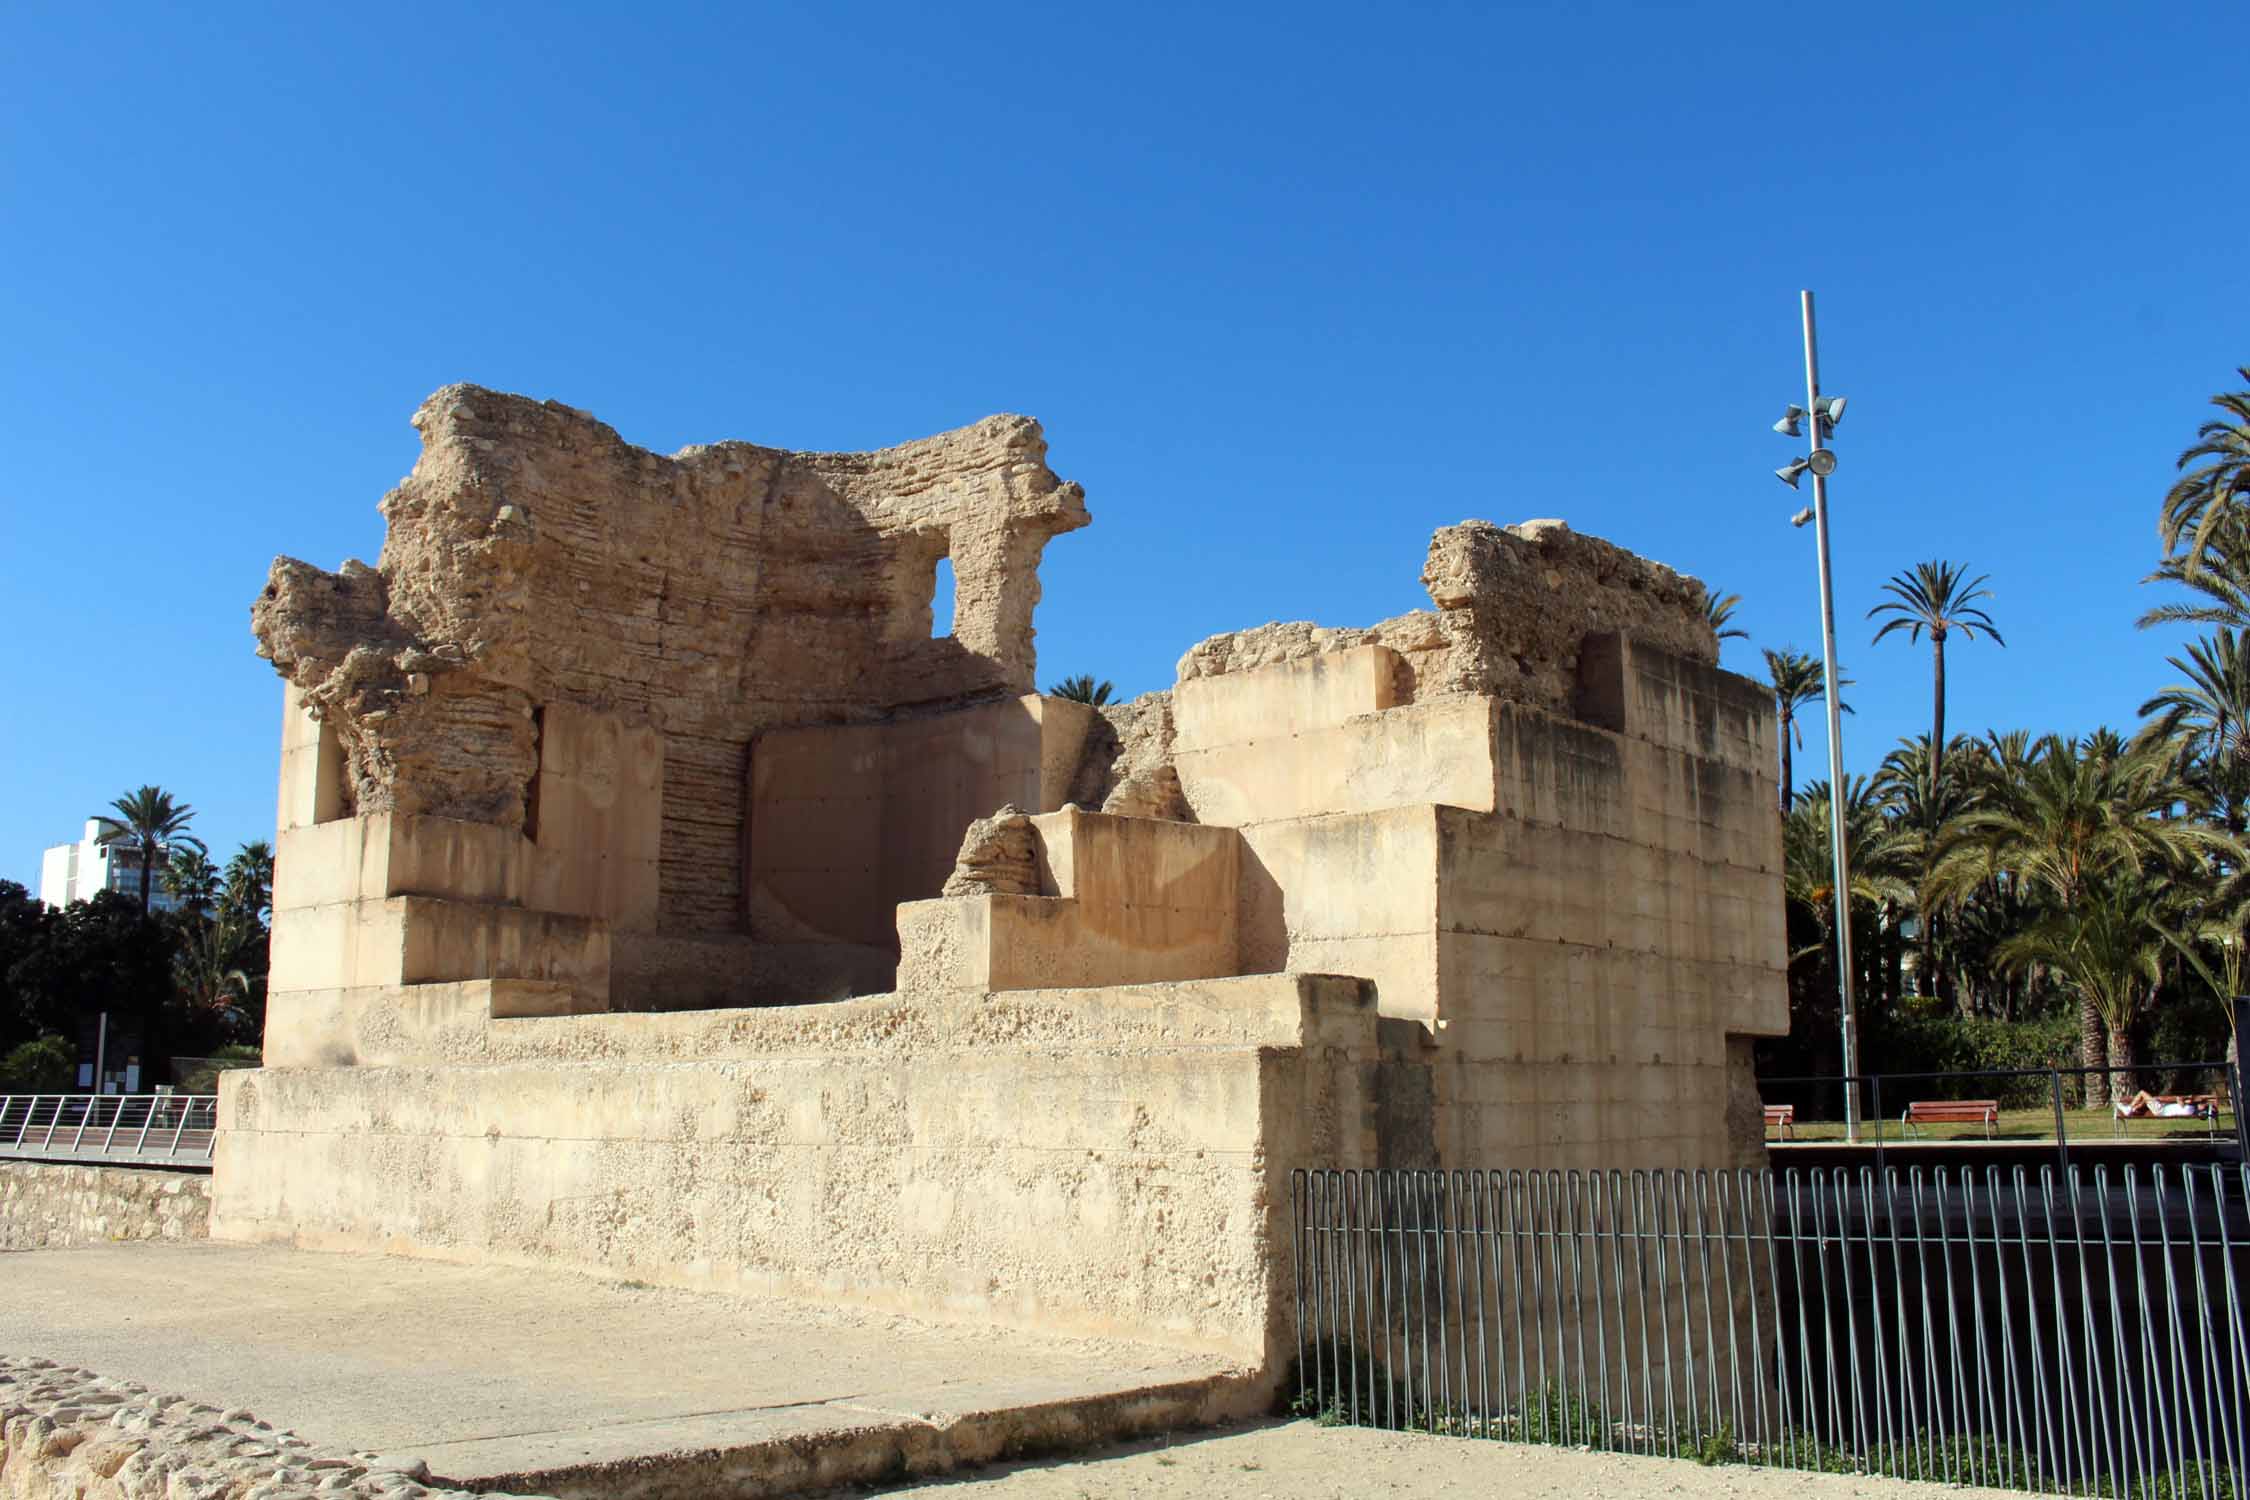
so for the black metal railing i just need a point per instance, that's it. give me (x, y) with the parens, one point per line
(2034, 1106)
(2076, 1332)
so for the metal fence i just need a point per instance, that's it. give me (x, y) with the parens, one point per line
(160, 1130)
(2078, 1332)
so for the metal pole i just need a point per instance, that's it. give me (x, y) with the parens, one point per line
(1844, 985)
(101, 1051)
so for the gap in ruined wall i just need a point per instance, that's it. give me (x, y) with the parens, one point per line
(531, 784)
(334, 796)
(941, 599)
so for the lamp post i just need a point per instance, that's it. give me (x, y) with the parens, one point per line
(1824, 412)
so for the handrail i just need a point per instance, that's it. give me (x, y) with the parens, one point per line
(177, 1130)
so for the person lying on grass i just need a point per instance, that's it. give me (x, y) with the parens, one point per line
(2147, 1106)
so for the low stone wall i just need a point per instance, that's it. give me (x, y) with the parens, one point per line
(1110, 1162)
(49, 1206)
(70, 1434)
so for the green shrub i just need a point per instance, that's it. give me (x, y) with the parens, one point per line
(1947, 1043)
(44, 1066)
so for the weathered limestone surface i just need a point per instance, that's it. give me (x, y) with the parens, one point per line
(999, 857)
(1139, 781)
(1494, 884)
(535, 559)
(53, 1206)
(1513, 603)
(1111, 1161)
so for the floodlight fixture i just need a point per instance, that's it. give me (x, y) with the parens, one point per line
(1831, 409)
(1790, 417)
(1792, 471)
(1802, 518)
(1821, 461)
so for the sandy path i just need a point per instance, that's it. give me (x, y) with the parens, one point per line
(1301, 1461)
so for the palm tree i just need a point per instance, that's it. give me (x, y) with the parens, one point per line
(1719, 608)
(1935, 597)
(149, 822)
(2111, 947)
(2207, 718)
(191, 879)
(1082, 689)
(2205, 500)
(249, 880)
(2219, 571)
(1880, 873)
(2078, 814)
(1796, 679)
(2217, 947)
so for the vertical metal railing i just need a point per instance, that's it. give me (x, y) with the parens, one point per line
(146, 1129)
(2076, 1332)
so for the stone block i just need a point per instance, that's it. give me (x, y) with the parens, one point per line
(417, 940)
(1132, 901)
(1422, 753)
(1289, 698)
(1646, 693)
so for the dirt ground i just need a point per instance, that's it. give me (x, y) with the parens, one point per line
(1304, 1461)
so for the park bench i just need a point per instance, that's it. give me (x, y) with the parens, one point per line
(1985, 1112)
(1782, 1117)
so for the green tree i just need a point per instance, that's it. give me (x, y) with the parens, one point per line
(2207, 718)
(150, 823)
(1082, 689)
(24, 1009)
(1881, 876)
(191, 879)
(44, 1065)
(248, 886)
(1936, 596)
(1797, 679)
(2079, 817)
(2214, 483)
(2111, 947)
(104, 954)
(2219, 572)
(1719, 609)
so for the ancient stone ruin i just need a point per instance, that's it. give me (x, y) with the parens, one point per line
(658, 895)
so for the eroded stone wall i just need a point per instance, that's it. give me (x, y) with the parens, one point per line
(52, 1206)
(533, 557)
(1513, 604)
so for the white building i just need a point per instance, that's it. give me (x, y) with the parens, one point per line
(73, 872)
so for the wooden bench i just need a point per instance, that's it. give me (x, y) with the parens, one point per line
(1782, 1117)
(1985, 1112)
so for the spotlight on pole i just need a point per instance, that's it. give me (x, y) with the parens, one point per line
(1826, 412)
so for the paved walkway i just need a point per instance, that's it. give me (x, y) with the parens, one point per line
(537, 1380)
(1301, 1461)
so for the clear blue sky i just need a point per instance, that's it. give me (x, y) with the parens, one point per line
(1289, 286)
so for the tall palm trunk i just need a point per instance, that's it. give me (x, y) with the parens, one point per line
(2093, 1050)
(1937, 709)
(1787, 723)
(148, 867)
(2121, 1082)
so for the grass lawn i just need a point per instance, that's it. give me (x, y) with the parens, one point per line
(2087, 1125)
